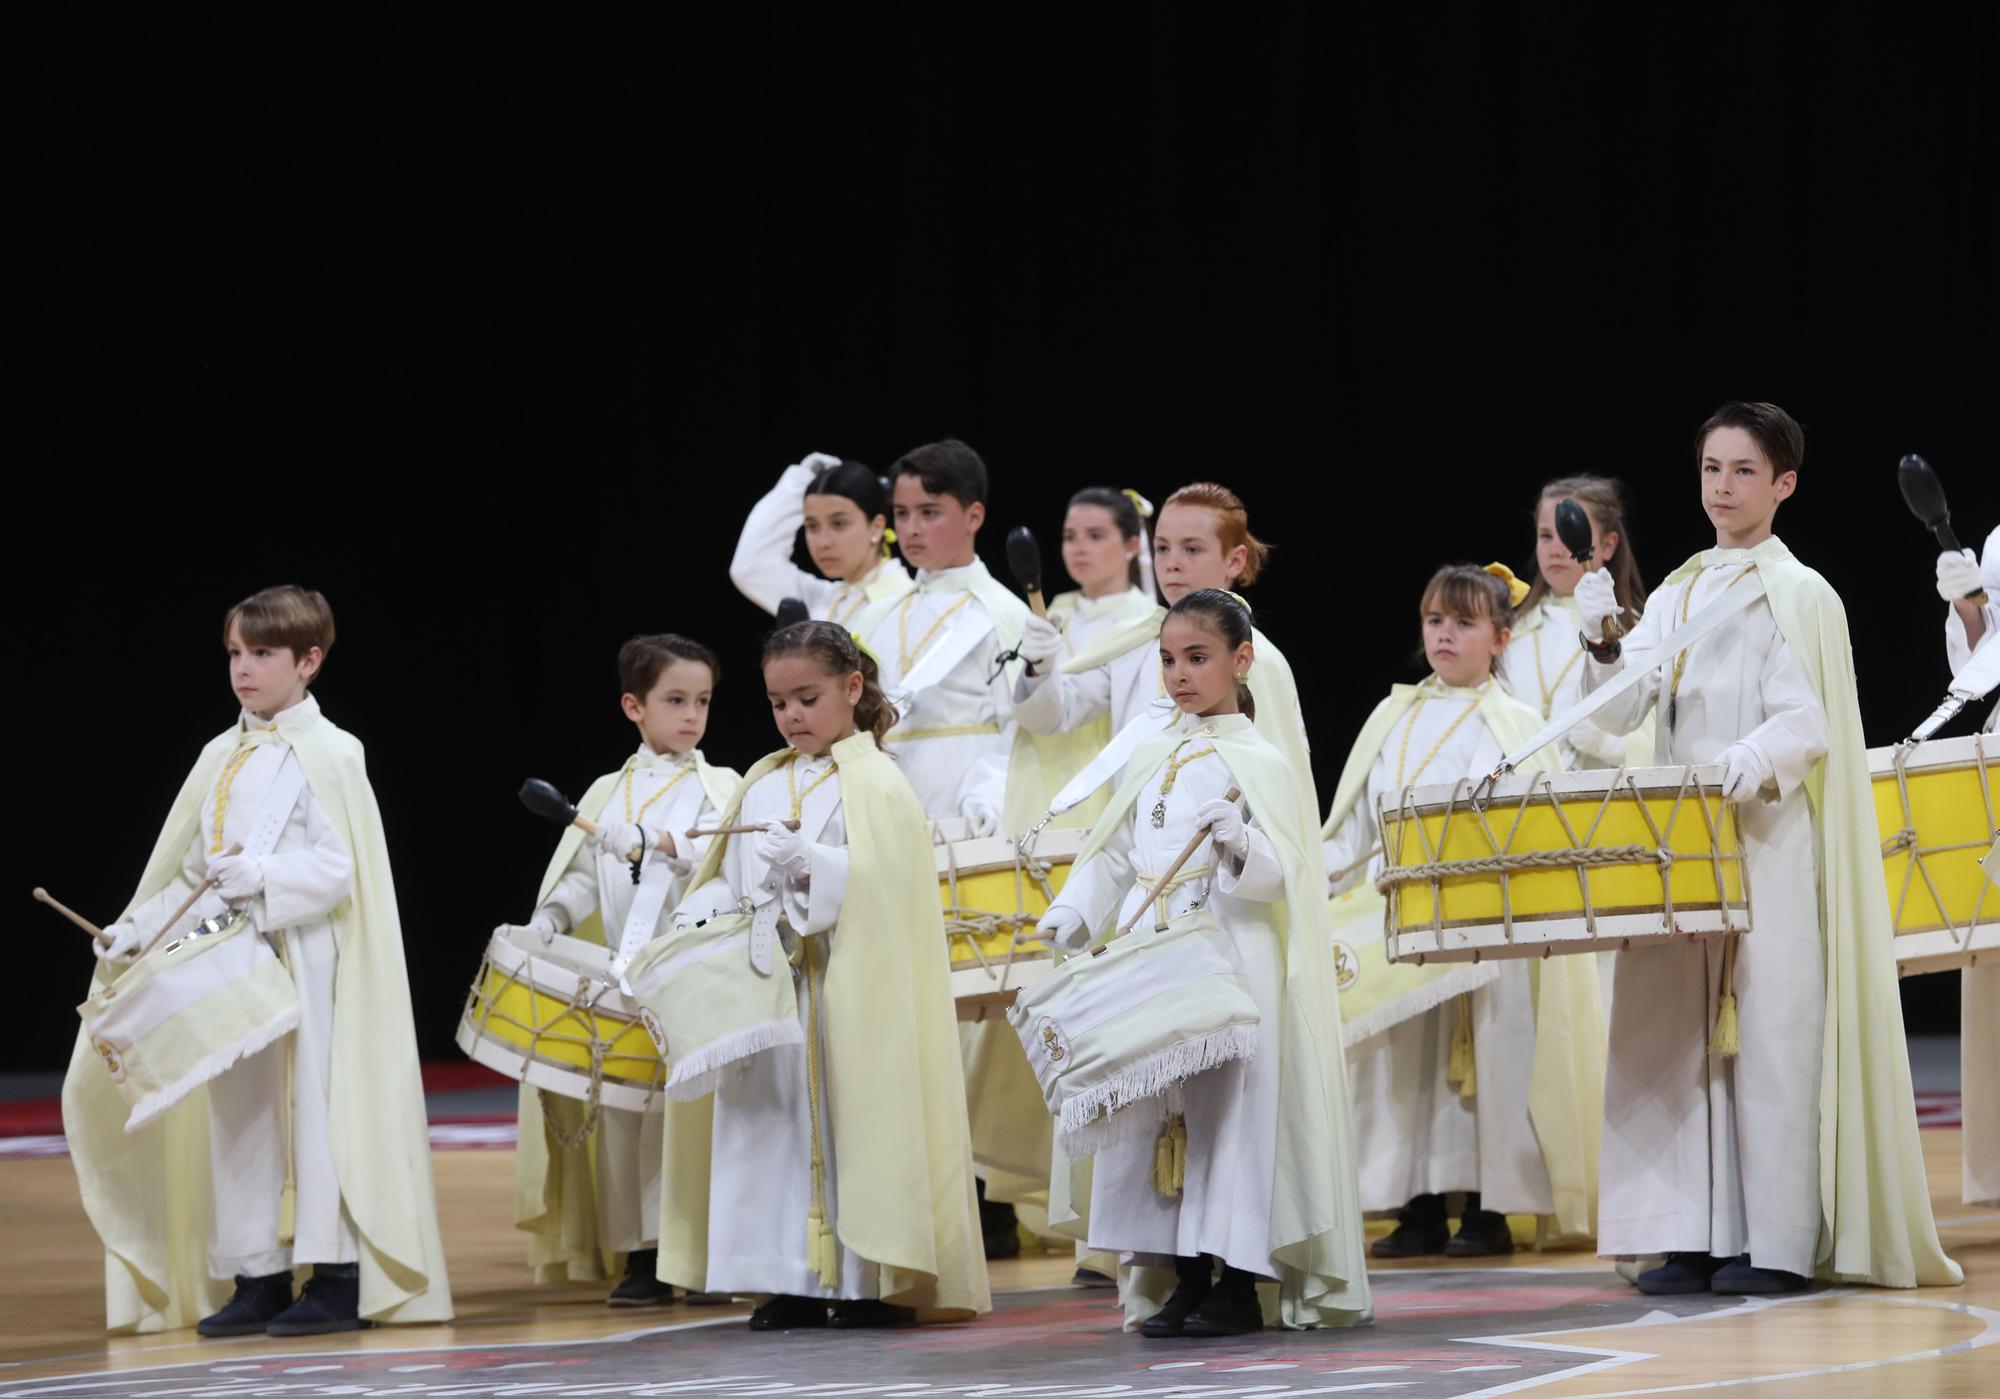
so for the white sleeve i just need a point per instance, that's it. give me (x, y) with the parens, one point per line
(1958, 647)
(762, 568)
(307, 882)
(147, 915)
(1349, 842)
(1630, 709)
(574, 897)
(1098, 887)
(819, 910)
(1061, 704)
(1794, 734)
(1259, 877)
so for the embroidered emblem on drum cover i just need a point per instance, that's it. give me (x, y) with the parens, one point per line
(1346, 966)
(1054, 1043)
(111, 1060)
(655, 1031)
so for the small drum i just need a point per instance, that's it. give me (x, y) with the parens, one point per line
(1934, 803)
(1112, 1034)
(711, 1006)
(549, 1013)
(1561, 862)
(186, 1012)
(991, 895)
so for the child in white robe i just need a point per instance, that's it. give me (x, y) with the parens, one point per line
(1745, 1138)
(843, 508)
(1232, 1206)
(835, 1172)
(667, 788)
(1443, 1099)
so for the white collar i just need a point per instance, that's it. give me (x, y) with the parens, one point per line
(952, 579)
(289, 723)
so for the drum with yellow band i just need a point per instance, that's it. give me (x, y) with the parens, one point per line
(1561, 862)
(992, 894)
(1934, 804)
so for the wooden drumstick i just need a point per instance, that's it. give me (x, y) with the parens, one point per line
(1024, 556)
(737, 830)
(1187, 853)
(189, 902)
(42, 895)
(1573, 528)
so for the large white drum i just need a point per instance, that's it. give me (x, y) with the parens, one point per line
(1934, 803)
(711, 1005)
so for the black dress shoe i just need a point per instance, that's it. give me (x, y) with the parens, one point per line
(867, 1312)
(999, 1226)
(1231, 1310)
(642, 1286)
(1681, 1273)
(330, 1302)
(783, 1313)
(1090, 1277)
(1197, 1285)
(1481, 1234)
(1421, 1231)
(250, 1308)
(1739, 1277)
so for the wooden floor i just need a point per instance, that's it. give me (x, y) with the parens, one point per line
(51, 1303)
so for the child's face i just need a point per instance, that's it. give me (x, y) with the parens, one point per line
(813, 710)
(268, 679)
(843, 542)
(1462, 650)
(1200, 668)
(1188, 553)
(1552, 557)
(1097, 557)
(1740, 490)
(935, 531)
(674, 715)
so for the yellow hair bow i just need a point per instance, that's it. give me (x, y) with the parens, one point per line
(1239, 600)
(864, 649)
(1139, 503)
(1516, 589)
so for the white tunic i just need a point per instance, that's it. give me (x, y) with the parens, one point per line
(306, 876)
(760, 1185)
(1543, 668)
(1231, 1113)
(762, 568)
(1705, 1154)
(1416, 1133)
(1979, 987)
(664, 793)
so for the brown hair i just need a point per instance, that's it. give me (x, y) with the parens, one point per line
(1603, 499)
(287, 616)
(1229, 619)
(1232, 524)
(945, 468)
(1776, 433)
(641, 660)
(1467, 590)
(1124, 514)
(837, 653)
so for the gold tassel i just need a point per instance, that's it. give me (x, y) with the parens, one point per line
(1725, 1041)
(1464, 1069)
(822, 1256)
(288, 1213)
(1170, 1157)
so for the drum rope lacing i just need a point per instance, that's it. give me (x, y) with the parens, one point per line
(1905, 841)
(974, 924)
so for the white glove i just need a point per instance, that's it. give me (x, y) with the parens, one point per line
(1226, 826)
(619, 839)
(1596, 601)
(783, 850)
(816, 462)
(1743, 772)
(1041, 642)
(542, 925)
(1957, 575)
(238, 878)
(124, 942)
(1063, 928)
(982, 818)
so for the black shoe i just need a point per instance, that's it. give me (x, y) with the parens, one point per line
(1421, 1231)
(1196, 1286)
(642, 1287)
(250, 1308)
(1739, 1277)
(330, 1302)
(1481, 1234)
(999, 1227)
(1090, 1277)
(1681, 1273)
(1231, 1310)
(784, 1313)
(853, 1316)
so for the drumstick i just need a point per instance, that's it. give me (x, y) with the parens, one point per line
(1024, 556)
(84, 923)
(737, 830)
(189, 902)
(1187, 853)
(1573, 528)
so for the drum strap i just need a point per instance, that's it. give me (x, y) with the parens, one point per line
(1109, 763)
(968, 629)
(656, 881)
(1976, 679)
(279, 801)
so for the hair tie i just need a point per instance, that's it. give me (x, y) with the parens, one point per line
(1516, 589)
(1139, 503)
(1239, 600)
(888, 535)
(863, 648)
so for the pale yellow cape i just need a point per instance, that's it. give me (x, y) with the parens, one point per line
(1566, 1089)
(555, 1187)
(1316, 1229)
(895, 1094)
(1874, 1200)
(1550, 612)
(149, 1193)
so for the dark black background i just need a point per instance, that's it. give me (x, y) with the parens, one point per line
(491, 322)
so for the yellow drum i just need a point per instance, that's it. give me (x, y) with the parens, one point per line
(1561, 862)
(992, 893)
(549, 1012)
(1934, 803)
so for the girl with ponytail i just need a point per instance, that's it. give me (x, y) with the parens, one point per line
(843, 508)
